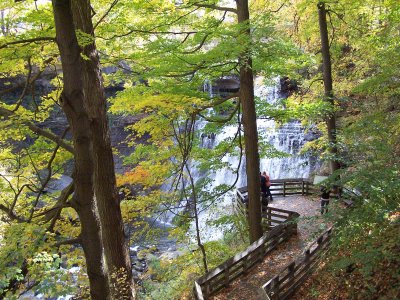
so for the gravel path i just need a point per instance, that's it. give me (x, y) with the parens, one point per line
(249, 286)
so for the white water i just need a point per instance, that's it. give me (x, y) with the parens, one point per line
(288, 138)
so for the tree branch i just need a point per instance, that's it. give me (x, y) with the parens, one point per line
(11, 214)
(28, 81)
(74, 241)
(152, 30)
(278, 9)
(105, 14)
(216, 7)
(48, 177)
(60, 204)
(218, 102)
(221, 120)
(33, 40)
(45, 133)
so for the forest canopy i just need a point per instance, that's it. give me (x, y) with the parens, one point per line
(117, 117)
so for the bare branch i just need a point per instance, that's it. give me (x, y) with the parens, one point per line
(198, 46)
(220, 101)
(105, 14)
(278, 9)
(200, 66)
(216, 7)
(53, 212)
(203, 41)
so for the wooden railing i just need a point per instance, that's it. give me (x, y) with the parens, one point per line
(271, 216)
(284, 284)
(285, 187)
(228, 271)
(280, 225)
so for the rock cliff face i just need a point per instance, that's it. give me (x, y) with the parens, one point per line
(12, 88)
(287, 86)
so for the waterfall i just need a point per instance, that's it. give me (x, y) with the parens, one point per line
(288, 138)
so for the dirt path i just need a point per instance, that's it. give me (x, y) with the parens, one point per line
(249, 286)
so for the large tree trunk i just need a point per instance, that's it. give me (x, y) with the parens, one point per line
(73, 106)
(246, 96)
(108, 203)
(328, 86)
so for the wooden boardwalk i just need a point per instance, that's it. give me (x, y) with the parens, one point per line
(248, 287)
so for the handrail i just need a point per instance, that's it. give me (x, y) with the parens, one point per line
(284, 284)
(289, 186)
(271, 216)
(281, 225)
(235, 266)
(225, 273)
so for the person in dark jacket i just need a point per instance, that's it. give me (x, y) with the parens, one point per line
(263, 185)
(325, 193)
(267, 184)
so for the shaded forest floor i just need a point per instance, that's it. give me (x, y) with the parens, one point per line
(249, 286)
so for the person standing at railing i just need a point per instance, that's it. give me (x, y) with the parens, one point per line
(325, 193)
(263, 185)
(267, 188)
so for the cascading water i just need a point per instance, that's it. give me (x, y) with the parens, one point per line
(288, 138)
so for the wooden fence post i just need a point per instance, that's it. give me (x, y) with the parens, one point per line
(244, 264)
(226, 275)
(207, 290)
(307, 188)
(284, 189)
(275, 288)
(270, 217)
(291, 271)
(302, 187)
(307, 260)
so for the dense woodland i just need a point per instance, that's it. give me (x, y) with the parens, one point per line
(72, 69)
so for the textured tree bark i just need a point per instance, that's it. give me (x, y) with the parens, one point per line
(73, 105)
(246, 96)
(328, 86)
(108, 204)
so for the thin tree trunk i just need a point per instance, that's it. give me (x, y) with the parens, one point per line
(3, 26)
(328, 86)
(73, 105)
(108, 203)
(246, 96)
(196, 218)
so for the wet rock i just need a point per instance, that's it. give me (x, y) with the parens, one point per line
(311, 135)
(138, 269)
(170, 249)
